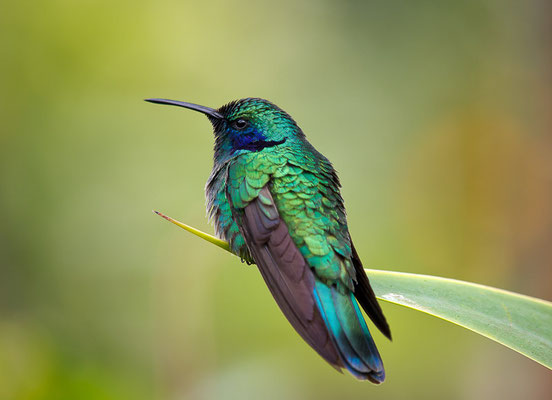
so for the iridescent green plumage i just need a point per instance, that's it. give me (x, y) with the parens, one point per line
(276, 200)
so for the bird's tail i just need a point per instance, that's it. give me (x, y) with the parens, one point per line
(349, 332)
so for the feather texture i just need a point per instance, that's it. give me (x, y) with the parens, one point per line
(327, 319)
(286, 273)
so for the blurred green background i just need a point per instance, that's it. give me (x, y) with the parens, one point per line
(436, 114)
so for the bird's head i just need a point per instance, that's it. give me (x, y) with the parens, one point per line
(246, 125)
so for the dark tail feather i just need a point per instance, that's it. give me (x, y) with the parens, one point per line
(366, 297)
(349, 332)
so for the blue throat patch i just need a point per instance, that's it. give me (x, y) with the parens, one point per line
(253, 141)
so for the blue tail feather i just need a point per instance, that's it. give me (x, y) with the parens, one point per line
(378, 372)
(338, 332)
(349, 332)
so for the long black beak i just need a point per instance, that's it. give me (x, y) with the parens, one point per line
(210, 112)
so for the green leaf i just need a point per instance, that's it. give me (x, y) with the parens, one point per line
(519, 322)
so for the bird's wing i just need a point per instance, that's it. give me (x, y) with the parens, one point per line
(286, 273)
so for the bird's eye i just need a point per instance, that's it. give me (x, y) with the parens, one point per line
(240, 124)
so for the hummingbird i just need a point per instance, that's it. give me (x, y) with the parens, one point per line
(276, 200)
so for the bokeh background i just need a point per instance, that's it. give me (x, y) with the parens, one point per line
(436, 114)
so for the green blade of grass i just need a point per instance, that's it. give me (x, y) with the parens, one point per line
(519, 322)
(205, 236)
